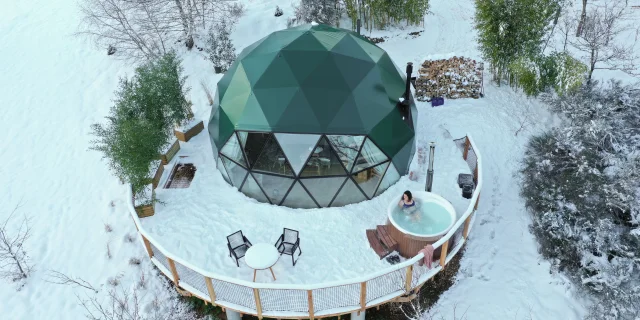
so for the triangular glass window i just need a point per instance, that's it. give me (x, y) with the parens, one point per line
(275, 187)
(223, 170)
(251, 189)
(390, 177)
(236, 172)
(272, 159)
(348, 194)
(299, 198)
(323, 162)
(253, 146)
(347, 148)
(370, 155)
(233, 150)
(297, 147)
(368, 179)
(323, 189)
(242, 136)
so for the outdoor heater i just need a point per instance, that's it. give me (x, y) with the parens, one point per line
(432, 148)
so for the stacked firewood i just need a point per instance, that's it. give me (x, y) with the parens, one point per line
(453, 78)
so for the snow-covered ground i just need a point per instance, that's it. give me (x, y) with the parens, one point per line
(54, 85)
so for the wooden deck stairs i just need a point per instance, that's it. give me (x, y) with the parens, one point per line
(381, 242)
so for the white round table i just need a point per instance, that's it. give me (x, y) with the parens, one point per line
(261, 256)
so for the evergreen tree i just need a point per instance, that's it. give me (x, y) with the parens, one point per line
(509, 30)
(219, 46)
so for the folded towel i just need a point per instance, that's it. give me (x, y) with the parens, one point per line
(428, 256)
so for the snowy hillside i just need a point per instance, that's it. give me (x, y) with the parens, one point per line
(54, 85)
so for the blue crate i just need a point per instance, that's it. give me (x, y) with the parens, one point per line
(437, 101)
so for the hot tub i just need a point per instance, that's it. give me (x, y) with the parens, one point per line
(433, 218)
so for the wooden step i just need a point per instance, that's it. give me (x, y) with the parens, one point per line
(375, 244)
(386, 238)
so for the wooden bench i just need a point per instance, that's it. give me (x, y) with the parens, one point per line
(381, 242)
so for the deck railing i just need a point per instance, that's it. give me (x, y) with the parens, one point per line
(292, 301)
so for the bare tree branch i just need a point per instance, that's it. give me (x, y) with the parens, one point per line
(14, 261)
(57, 277)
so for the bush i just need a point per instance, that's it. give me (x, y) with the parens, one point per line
(580, 183)
(141, 122)
(219, 46)
(571, 73)
(558, 71)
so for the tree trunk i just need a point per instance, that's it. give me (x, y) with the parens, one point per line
(583, 16)
(592, 65)
(183, 17)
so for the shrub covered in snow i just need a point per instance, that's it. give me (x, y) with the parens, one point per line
(141, 122)
(219, 46)
(581, 183)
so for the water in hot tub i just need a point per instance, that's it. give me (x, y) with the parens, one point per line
(430, 218)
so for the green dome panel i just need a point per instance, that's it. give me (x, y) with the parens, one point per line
(321, 80)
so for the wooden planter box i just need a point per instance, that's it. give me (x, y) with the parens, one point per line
(145, 211)
(165, 158)
(186, 136)
(157, 176)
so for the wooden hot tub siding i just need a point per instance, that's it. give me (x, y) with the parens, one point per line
(408, 246)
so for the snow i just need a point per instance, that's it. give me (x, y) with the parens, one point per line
(53, 86)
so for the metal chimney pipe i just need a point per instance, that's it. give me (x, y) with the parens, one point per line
(407, 92)
(358, 24)
(432, 148)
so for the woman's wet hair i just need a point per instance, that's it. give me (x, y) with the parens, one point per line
(409, 196)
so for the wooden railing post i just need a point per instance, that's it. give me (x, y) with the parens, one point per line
(407, 281)
(256, 295)
(363, 297)
(443, 253)
(475, 173)
(147, 246)
(475, 207)
(467, 222)
(212, 294)
(310, 297)
(174, 272)
(466, 148)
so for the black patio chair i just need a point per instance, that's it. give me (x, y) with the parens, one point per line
(289, 243)
(238, 245)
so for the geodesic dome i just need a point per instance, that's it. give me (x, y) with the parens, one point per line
(309, 117)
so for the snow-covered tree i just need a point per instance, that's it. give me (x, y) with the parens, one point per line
(320, 11)
(509, 30)
(581, 183)
(601, 39)
(147, 29)
(221, 51)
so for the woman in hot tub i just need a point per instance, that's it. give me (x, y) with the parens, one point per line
(408, 205)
